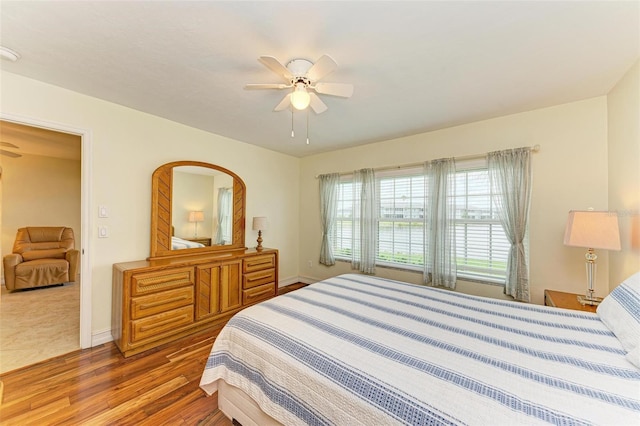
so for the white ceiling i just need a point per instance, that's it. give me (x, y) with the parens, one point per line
(416, 66)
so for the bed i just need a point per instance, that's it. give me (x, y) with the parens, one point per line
(178, 243)
(356, 349)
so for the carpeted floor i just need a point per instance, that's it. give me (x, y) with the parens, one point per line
(39, 324)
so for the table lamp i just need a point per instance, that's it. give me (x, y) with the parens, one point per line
(259, 224)
(592, 230)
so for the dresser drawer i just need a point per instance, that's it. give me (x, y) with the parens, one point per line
(155, 326)
(155, 303)
(151, 282)
(255, 279)
(257, 294)
(257, 263)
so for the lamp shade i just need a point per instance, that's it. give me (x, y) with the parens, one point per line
(259, 223)
(592, 229)
(196, 216)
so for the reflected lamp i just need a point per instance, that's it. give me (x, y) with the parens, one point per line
(195, 217)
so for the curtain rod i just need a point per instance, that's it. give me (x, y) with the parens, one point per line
(534, 148)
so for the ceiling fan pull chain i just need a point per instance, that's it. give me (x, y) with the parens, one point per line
(292, 133)
(307, 126)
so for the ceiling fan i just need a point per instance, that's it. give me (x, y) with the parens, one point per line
(9, 153)
(303, 77)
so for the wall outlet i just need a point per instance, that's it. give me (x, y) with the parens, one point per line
(310, 264)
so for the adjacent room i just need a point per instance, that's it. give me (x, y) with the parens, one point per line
(320, 212)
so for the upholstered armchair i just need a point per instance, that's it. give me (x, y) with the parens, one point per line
(42, 256)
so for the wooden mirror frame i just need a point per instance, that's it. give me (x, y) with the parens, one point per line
(161, 215)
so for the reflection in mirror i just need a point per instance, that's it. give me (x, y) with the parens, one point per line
(202, 202)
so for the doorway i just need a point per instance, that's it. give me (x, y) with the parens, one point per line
(44, 182)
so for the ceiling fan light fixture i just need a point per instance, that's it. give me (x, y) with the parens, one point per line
(6, 53)
(300, 98)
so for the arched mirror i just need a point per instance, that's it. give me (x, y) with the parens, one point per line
(196, 208)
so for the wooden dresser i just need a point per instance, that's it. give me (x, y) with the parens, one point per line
(158, 301)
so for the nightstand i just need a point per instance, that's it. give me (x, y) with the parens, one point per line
(201, 240)
(560, 299)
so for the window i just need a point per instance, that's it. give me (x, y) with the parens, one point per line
(482, 247)
(343, 238)
(400, 220)
(481, 244)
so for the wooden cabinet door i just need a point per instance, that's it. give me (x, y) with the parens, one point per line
(219, 288)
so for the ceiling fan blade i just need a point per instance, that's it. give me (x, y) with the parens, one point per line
(323, 67)
(274, 65)
(267, 86)
(9, 144)
(284, 103)
(335, 89)
(316, 104)
(10, 154)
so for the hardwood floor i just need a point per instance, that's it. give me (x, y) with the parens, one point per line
(98, 386)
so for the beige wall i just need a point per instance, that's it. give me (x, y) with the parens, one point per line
(570, 172)
(127, 146)
(623, 104)
(39, 191)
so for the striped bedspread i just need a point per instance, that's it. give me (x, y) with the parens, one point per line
(180, 243)
(355, 349)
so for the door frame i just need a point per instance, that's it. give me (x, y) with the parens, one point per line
(85, 217)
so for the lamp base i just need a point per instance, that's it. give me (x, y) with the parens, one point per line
(589, 300)
(259, 240)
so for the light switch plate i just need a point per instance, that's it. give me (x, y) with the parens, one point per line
(103, 211)
(103, 232)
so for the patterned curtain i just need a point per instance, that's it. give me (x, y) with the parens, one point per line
(363, 255)
(511, 178)
(440, 267)
(365, 222)
(223, 233)
(328, 196)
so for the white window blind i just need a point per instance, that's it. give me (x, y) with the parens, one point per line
(343, 238)
(400, 220)
(482, 246)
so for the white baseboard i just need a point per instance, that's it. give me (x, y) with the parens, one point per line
(294, 280)
(100, 337)
(307, 280)
(287, 281)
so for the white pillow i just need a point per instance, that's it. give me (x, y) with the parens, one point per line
(634, 357)
(620, 312)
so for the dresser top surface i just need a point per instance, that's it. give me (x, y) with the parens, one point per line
(193, 259)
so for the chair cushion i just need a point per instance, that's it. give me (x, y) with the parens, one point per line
(41, 234)
(43, 238)
(36, 272)
(55, 253)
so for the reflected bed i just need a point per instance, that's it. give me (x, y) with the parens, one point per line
(178, 243)
(356, 349)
